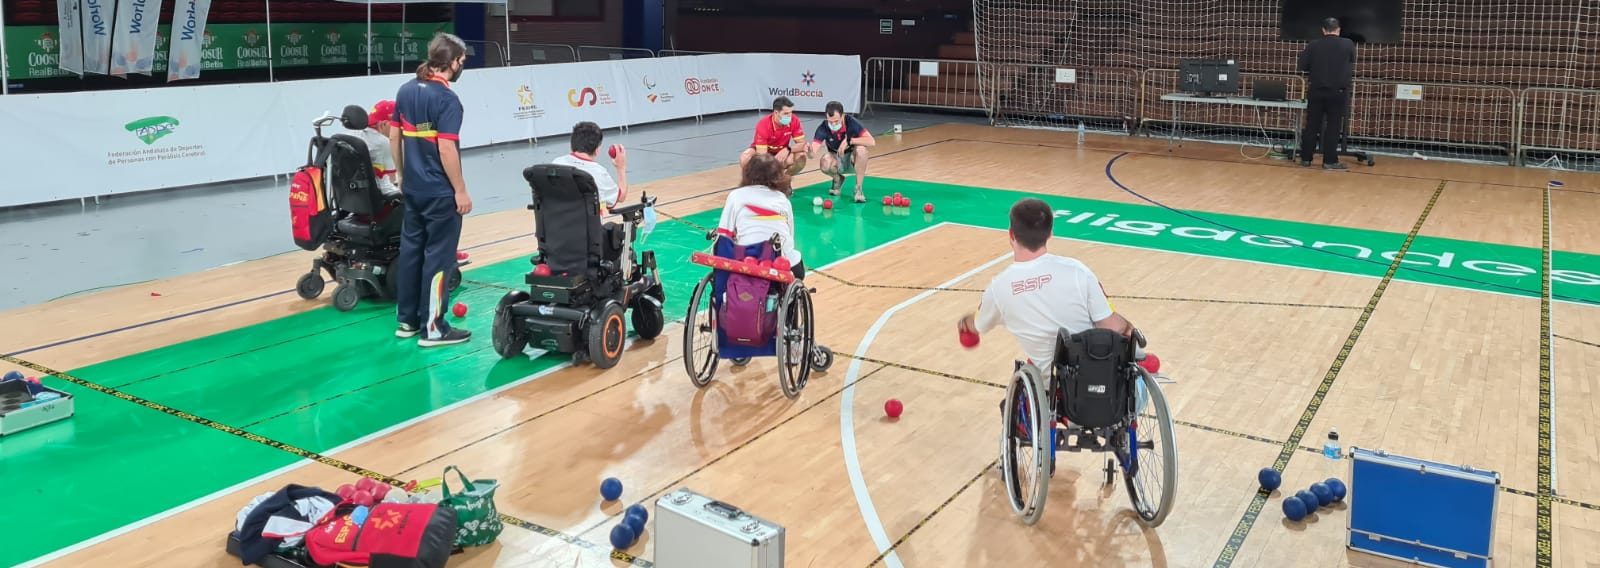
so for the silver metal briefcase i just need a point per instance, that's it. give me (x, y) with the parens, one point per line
(695, 531)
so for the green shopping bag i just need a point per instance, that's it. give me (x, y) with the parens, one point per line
(478, 522)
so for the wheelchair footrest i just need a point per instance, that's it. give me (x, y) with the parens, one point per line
(741, 267)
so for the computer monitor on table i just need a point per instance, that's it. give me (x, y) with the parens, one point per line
(1209, 77)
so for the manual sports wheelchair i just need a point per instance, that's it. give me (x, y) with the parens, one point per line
(780, 321)
(585, 276)
(1098, 399)
(354, 222)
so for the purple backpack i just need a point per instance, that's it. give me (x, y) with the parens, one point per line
(747, 318)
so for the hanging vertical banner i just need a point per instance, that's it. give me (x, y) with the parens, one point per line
(96, 24)
(70, 37)
(190, 42)
(133, 45)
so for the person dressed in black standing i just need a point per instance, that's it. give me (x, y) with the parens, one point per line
(1331, 62)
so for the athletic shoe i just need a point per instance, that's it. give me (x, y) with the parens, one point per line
(451, 337)
(837, 183)
(406, 331)
(860, 197)
(1335, 167)
(1305, 164)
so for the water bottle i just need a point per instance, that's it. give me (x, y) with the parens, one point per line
(41, 399)
(1330, 448)
(1080, 133)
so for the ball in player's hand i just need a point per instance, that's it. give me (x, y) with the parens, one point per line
(615, 148)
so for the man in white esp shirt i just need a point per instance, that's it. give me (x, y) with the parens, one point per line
(1040, 293)
(586, 138)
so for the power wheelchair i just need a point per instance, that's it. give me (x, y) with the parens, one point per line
(360, 239)
(791, 339)
(586, 275)
(1097, 398)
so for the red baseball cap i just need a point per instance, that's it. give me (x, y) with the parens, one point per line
(381, 112)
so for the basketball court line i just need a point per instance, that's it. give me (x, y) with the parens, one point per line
(1248, 521)
(1354, 171)
(847, 426)
(1544, 546)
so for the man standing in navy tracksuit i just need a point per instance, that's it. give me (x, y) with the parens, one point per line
(435, 193)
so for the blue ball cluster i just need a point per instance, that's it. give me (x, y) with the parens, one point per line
(1304, 503)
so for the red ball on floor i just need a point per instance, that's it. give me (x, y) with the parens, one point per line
(893, 408)
(460, 310)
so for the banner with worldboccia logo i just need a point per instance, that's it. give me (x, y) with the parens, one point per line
(190, 40)
(60, 48)
(143, 139)
(133, 43)
(812, 81)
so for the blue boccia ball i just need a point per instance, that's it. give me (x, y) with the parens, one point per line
(1270, 478)
(1323, 492)
(611, 488)
(1338, 488)
(13, 376)
(638, 512)
(1309, 500)
(622, 536)
(1294, 508)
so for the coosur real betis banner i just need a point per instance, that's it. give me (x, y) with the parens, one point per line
(188, 39)
(133, 47)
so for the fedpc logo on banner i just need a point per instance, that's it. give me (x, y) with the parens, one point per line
(589, 96)
(701, 85)
(526, 108)
(808, 79)
(149, 130)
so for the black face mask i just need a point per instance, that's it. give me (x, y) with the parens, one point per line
(455, 76)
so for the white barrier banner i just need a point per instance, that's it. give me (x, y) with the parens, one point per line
(70, 36)
(133, 47)
(189, 39)
(812, 80)
(96, 26)
(136, 140)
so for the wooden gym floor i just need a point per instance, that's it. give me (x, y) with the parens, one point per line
(1441, 365)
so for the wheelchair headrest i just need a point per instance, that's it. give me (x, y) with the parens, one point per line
(354, 118)
(351, 179)
(562, 184)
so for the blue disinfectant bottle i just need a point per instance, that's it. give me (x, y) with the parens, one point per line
(1330, 448)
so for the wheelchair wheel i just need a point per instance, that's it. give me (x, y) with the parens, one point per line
(700, 335)
(648, 319)
(310, 285)
(794, 340)
(1150, 466)
(509, 339)
(346, 296)
(1027, 453)
(821, 358)
(452, 280)
(607, 336)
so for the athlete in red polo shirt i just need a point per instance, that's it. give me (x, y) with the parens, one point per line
(780, 135)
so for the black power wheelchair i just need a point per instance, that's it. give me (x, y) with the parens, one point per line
(362, 242)
(586, 275)
(1097, 398)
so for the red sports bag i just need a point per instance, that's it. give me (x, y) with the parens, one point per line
(394, 535)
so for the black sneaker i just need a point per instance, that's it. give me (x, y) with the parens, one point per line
(1338, 167)
(406, 331)
(1305, 164)
(451, 337)
(837, 183)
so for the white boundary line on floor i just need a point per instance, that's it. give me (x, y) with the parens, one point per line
(847, 424)
(158, 517)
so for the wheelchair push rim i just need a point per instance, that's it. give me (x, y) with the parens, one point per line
(795, 340)
(1150, 461)
(700, 335)
(1026, 448)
